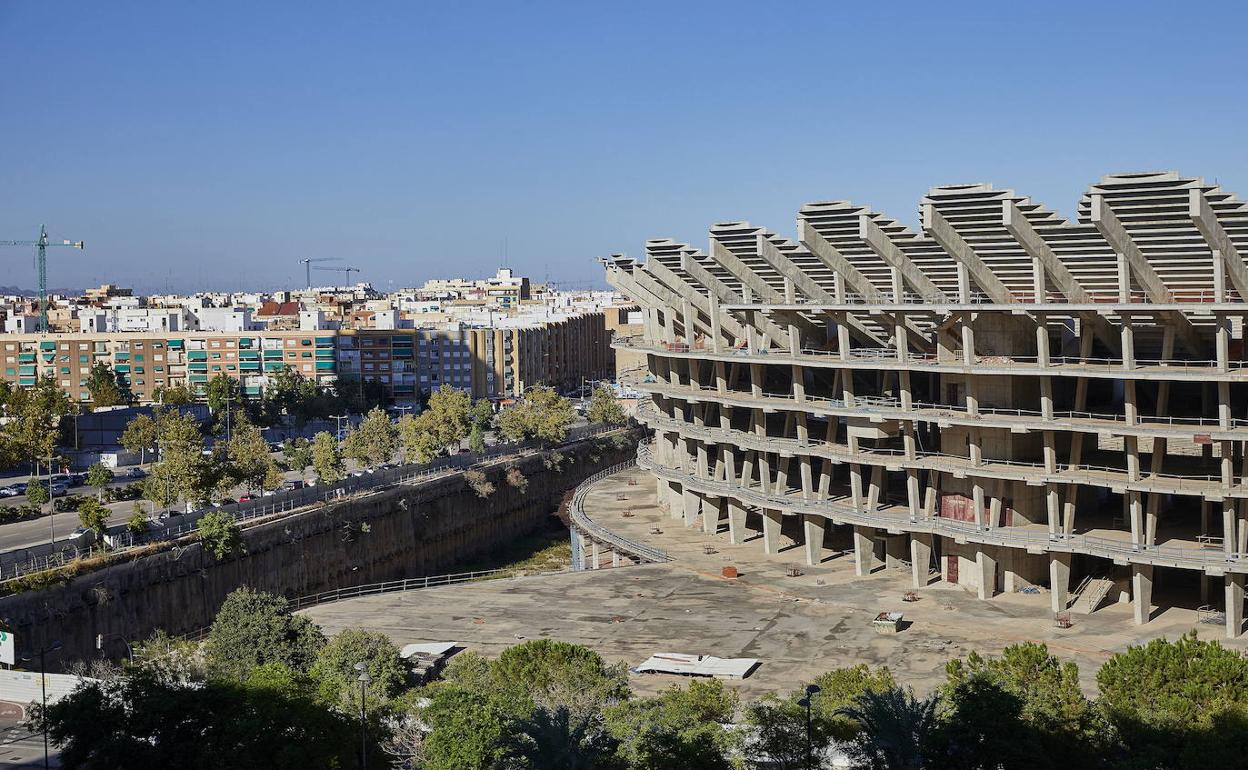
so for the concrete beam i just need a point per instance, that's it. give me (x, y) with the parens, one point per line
(832, 257)
(807, 285)
(1219, 241)
(951, 241)
(727, 295)
(659, 273)
(891, 253)
(1142, 272)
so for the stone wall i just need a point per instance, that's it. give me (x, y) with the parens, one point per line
(401, 532)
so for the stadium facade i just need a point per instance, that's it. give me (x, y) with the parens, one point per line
(1001, 399)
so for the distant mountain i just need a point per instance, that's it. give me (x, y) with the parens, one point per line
(20, 292)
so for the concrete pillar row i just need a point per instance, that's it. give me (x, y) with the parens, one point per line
(692, 507)
(1059, 580)
(920, 557)
(771, 531)
(736, 521)
(1142, 592)
(986, 566)
(712, 512)
(1234, 604)
(813, 529)
(864, 550)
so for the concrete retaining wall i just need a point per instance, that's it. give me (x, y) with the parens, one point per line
(397, 533)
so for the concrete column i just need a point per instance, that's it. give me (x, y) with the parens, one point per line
(692, 506)
(736, 521)
(864, 556)
(986, 566)
(675, 500)
(894, 552)
(1059, 580)
(771, 531)
(615, 558)
(1142, 592)
(594, 554)
(920, 557)
(1234, 604)
(712, 512)
(813, 527)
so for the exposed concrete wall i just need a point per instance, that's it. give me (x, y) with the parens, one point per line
(411, 531)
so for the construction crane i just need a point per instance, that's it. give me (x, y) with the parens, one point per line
(346, 270)
(307, 266)
(41, 262)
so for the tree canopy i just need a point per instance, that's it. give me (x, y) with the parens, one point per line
(540, 413)
(106, 386)
(604, 407)
(254, 628)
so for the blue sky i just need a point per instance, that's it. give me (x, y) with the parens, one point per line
(214, 144)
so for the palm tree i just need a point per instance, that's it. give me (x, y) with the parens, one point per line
(895, 726)
(558, 738)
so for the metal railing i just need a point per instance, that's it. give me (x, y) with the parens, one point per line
(1018, 537)
(408, 584)
(49, 556)
(892, 406)
(587, 526)
(1086, 473)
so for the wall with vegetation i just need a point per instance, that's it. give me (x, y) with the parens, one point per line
(401, 532)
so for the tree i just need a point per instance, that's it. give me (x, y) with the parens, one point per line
(1166, 700)
(482, 414)
(326, 458)
(446, 421)
(541, 413)
(374, 441)
(137, 523)
(225, 397)
(681, 727)
(536, 668)
(842, 687)
(1071, 729)
(35, 415)
(219, 533)
(93, 515)
(298, 455)
(468, 729)
(105, 387)
(337, 677)
(290, 393)
(37, 493)
(141, 434)
(420, 442)
(99, 476)
(145, 722)
(559, 737)
(173, 395)
(253, 628)
(779, 734)
(479, 483)
(476, 439)
(250, 462)
(895, 729)
(604, 408)
(981, 726)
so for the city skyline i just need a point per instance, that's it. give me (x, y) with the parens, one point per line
(432, 142)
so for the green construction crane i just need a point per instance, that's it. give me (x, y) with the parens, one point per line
(41, 260)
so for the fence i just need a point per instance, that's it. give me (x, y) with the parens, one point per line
(47, 556)
(596, 531)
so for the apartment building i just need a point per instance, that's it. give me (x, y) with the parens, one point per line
(1003, 398)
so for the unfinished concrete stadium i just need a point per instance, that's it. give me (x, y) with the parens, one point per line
(1005, 399)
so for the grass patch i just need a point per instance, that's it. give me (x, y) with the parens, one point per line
(545, 551)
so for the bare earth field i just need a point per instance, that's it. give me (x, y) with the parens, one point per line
(797, 626)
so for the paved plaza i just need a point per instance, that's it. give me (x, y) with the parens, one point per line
(797, 626)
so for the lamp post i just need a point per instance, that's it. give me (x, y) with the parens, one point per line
(43, 683)
(811, 689)
(363, 679)
(99, 644)
(338, 418)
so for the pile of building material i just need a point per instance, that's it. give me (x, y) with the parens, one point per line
(697, 665)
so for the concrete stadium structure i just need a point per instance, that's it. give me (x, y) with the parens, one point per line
(1004, 399)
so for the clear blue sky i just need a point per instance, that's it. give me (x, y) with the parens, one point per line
(213, 144)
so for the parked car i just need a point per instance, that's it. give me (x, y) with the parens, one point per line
(20, 487)
(170, 515)
(134, 473)
(82, 537)
(62, 478)
(59, 488)
(291, 486)
(77, 479)
(246, 498)
(10, 491)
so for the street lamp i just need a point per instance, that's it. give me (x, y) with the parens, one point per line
(363, 679)
(811, 689)
(99, 644)
(339, 418)
(51, 501)
(43, 683)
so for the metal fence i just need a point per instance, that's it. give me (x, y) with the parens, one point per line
(47, 556)
(596, 531)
